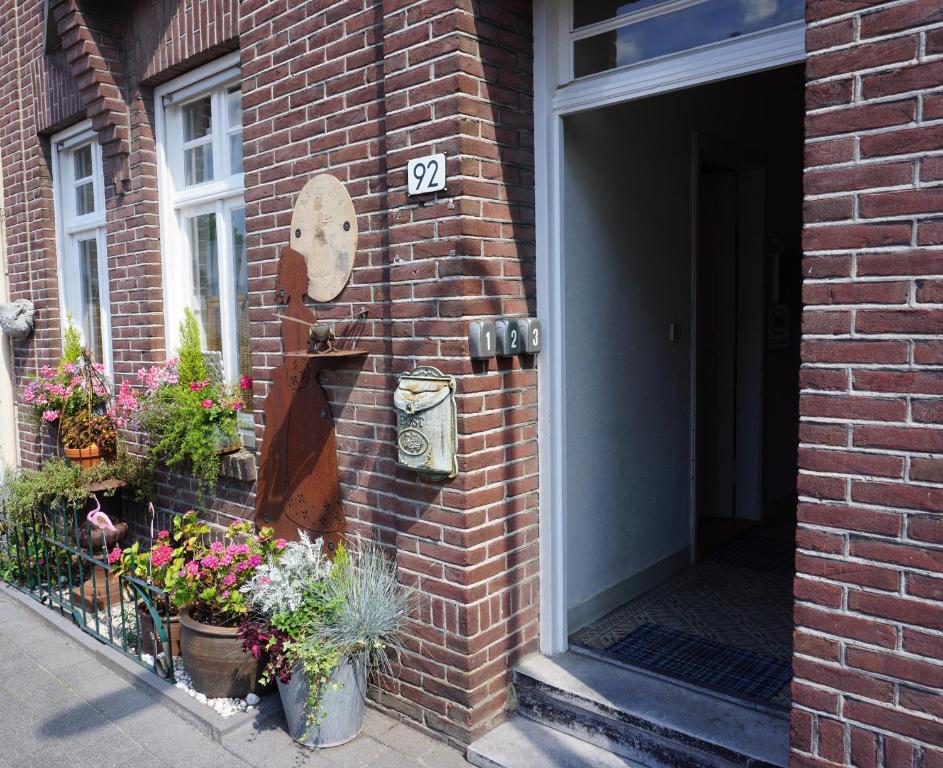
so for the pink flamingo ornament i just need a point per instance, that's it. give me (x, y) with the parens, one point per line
(99, 519)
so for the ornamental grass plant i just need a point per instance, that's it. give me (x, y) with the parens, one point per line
(311, 613)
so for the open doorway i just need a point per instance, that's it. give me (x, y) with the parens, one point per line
(682, 280)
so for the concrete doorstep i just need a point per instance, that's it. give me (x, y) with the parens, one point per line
(48, 664)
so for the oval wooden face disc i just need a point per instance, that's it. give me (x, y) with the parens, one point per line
(324, 229)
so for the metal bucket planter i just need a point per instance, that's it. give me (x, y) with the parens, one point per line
(341, 702)
(213, 656)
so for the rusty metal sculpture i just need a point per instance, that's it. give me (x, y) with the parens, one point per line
(298, 485)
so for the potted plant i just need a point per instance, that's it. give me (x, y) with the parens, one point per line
(324, 628)
(75, 387)
(161, 565)
(188, 418)
(206, 591)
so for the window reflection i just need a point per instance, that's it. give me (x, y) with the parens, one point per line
(205, 271)
(91, 296)
(707, 22)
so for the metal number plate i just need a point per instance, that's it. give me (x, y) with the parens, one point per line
(425, 174)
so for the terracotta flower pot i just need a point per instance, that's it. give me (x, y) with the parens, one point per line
(150, 639)
(84, 457)
(215, 660)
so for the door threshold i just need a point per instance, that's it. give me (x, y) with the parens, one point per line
(755, 705)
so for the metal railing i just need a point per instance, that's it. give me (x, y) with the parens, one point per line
(60, 559)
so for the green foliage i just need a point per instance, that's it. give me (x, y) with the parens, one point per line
(162, 563)
(71, 343)
(59, 482)
(186, 427)
(191, 365)
(355, 608)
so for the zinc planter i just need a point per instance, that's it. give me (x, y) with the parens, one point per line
(214, 658)
(341, 702)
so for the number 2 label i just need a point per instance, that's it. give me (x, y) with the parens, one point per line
(425, 174)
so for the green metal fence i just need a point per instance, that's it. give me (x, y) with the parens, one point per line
(60, 559)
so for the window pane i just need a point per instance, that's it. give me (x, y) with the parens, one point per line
(241, 280)
(82, 162)
(85, 198)
(204, 266)
(197, 119)
(701, 24)
(198, 164)
(91, 297)
(234, 108)
(235, 152)
(587, 12)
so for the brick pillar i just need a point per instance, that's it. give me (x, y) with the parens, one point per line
(869, 579)
(356, 89)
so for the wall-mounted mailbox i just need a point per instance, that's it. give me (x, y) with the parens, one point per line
(509, 338)
(531, 335)
(482, 339)
(427, 423)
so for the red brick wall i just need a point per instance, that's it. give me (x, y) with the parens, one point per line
(354, 88)
(869, 637)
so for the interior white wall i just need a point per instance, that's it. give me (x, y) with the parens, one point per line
(627, 271)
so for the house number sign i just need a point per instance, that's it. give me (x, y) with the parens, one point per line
(425, 174)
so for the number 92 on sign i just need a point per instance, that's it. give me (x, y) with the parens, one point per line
(425, 175)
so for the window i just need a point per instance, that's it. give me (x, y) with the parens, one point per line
(199, 139)
(616, 33)
(80, 233)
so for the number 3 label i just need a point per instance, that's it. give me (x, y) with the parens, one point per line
(425, 174)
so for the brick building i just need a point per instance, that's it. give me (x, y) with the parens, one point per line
(705, 204)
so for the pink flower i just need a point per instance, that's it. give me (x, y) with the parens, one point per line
(193, 568)
(238, 549)
(46, 372)
(217, 547)
(210, 561)
(280, 544)
(245, 382)
(225, 593)
(161, 556)
(50, 415)
(207, 403)
(225, 560)
(255, 561)
(264, 580)
(236, 405)
(229, 579)
(163, 534)
(241, 566)
(114, 556)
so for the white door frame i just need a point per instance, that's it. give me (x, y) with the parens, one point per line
(556, 95)
(9, 444)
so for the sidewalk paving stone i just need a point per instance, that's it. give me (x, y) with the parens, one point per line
(60, 706)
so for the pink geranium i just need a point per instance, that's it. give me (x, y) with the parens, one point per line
(114, 556)
(210, 561)
(206, 403)
(50, 415)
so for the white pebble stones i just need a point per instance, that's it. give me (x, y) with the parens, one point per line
(223, 707)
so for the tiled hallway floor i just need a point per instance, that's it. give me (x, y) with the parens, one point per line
(718, 598)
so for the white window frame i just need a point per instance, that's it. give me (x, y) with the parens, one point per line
(70, 228)
(220, 196)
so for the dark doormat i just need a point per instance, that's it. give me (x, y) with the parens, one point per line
(703, 661)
